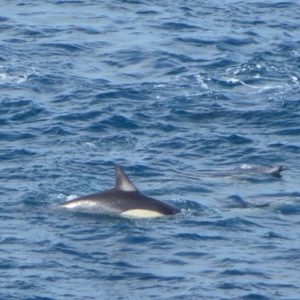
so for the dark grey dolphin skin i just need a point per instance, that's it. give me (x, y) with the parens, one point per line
(124, 199)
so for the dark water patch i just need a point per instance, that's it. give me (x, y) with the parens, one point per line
(57, 131)
(220, 63)
(196, 190)
(63, 2)
(80, 116)
(3, 19)
(197, 237)
(61, 46)
(21, 284)
(147, 12)
(87, 30)
(124, 58)
(122, 265)
(16, 137)
(198, 223)
(176, 71)
(45, 82)
(252, 296)
(238, 140)
(61, 247)
(288, 132)
(176, 57)
(11, 240)
(38, 297)
(45, 243)
(34, 199)
(236, 42)
(150, 276)
(269, 117)
(96, 127)
(288, 209)
(175, 26)
(37, 220)
(286, 148)
(245, 272)
(16, 154)
(170, 262)
(122, 94)
(165, 127)
(130, 57)
(135, 2)
(237, 222)
(273, 235)
(62, 98)
(136, 240)
(162, 63)
(191, 254)
(250, 32)
(196, 41)
(202, 116)
(29, 115)
(4, 27)
(170, 145)
(292, 254)
(77, 98)
(31, 33)
(279, 4)
(7, 264)
(119, 122)
(282, 195)
(19, 103)
(231, 286)
(7, 217)
(236, 202)
(256, 179)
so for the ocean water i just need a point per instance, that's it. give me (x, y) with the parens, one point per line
(175, 92)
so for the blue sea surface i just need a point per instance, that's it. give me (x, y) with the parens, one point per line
(176, 92)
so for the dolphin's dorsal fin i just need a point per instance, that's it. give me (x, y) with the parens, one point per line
(275, 170)
(123, 183)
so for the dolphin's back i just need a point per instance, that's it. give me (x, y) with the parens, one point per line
(120, 202)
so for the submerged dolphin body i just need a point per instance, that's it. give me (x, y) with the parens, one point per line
(124, 199)
(248, 170)
(251, 169)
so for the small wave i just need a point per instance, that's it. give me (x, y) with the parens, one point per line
(177, 26)
(57, 131)
(16, 154)
(16, 136)
(9, 79)
(63, 47)
(231, 224)
(116, 142)
(195, 237)
(80, 116)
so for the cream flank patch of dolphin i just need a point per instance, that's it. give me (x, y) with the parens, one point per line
(141, 213)
(124, 199)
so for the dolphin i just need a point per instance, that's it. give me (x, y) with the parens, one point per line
(267, 170)
(246, 169)
(124, 199)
